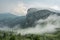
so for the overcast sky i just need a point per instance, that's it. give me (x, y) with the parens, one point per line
(19, 7)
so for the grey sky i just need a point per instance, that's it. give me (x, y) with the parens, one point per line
(10, 5)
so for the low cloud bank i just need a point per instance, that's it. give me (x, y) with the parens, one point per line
(47, 25)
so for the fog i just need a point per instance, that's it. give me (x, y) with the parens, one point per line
(47, 25)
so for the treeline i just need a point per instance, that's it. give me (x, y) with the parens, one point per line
(12, 36)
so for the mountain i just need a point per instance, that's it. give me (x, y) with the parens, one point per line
(31, 10)
(34, 16)
(6, 16)
(17, 21)
(10, 20)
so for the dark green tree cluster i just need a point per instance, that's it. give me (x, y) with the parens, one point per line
(13, 36)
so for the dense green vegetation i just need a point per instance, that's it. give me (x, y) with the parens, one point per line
(13, 36)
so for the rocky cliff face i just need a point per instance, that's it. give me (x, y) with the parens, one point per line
(34, 15)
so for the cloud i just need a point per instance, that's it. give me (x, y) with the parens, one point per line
(55, 7)
(42, 5)
(20, 9)
(49, 26)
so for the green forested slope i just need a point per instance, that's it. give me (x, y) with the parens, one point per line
(12, 36)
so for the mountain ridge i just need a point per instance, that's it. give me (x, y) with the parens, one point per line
(29, 20)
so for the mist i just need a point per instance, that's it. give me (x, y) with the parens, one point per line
(42, 26)
(48, 25)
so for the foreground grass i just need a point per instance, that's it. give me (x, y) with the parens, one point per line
(12, 36)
